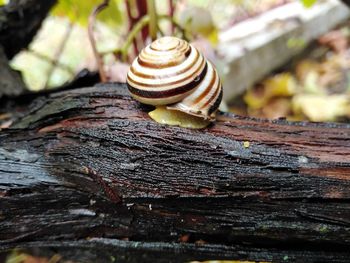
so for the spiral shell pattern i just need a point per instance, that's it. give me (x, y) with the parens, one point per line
(172, 72)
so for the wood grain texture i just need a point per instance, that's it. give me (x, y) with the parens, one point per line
(87, 170)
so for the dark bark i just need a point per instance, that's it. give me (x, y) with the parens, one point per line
(347, 2)
(11, 83)
(83, 171)
(19, 22)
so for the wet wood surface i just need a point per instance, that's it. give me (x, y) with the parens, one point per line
(86, 173)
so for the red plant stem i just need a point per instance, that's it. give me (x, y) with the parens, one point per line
(92, 21)
(130, 17)
(132, 22)
(142, 10)
(53, 62)
(171, 14)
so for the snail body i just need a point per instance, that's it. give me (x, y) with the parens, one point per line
(172, 73)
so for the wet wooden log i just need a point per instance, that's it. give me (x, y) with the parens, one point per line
(87, 174)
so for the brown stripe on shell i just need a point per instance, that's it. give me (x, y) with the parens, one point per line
(180, 44)
(207, 90)
(217, 90)
(142, 75)
(168, 43)
(160, 65)
(187, 87)
(178, 49)
(159, 62)
(164, 50)
(130, 80)
(217, 102)
(155, 56)
(170, 92)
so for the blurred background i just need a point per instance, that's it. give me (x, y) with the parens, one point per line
(277, 58)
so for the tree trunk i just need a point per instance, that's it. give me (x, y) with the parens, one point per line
(20, 20)
(11, 83)
(347, 2)
(87, 174)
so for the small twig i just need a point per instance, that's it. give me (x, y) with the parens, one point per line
(175, 24)
(92, 21)
(138, 27)
(153, 19)
(58, 53)
(171, 14)
(143, 9)
(129, 5)
(133, 33)
(52, 61)
(161, 32)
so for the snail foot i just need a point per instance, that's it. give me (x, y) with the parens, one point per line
(163, 115)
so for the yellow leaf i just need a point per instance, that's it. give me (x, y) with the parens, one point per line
(321, 108)
(281, 85)
(308, 3)
(213, 37)
(79, 11)
(311, 84)
(304, 67)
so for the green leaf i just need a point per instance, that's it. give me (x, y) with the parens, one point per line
(79, 11)
(308, 3)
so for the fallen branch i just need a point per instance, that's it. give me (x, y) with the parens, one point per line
(185, 194)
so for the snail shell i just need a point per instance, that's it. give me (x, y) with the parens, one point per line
(172, 72)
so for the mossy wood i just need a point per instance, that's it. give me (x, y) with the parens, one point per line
(87, 173)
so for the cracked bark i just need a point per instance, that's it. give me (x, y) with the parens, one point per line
(87, 174)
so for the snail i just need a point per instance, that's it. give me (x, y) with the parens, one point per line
(175, 77)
